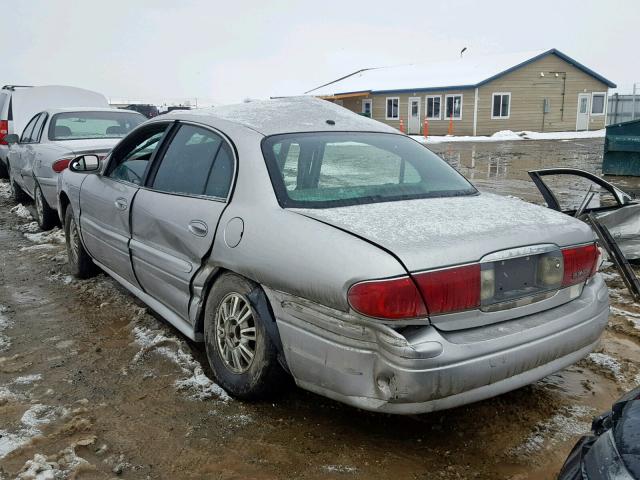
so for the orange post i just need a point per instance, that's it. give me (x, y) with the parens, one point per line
(425, 128)
(402, 125)
(450, 132)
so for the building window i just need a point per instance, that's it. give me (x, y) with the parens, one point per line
(501, 105)
(453, 107)
(433, 107)
(366, 107)
(597, 103)
(392, 108)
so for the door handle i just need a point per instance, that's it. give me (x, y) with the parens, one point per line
(198, 228)
(121, 204)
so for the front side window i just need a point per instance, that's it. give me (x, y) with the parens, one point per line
(454, 107)
(320, 170)
(393, 108)
(195, 164)
(88, 125)
(433, 107)
(501, 105)
(130, 159)
(597, 103)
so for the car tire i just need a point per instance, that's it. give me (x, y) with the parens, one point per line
(229, 345)
(4, 173)
(80, 262)
(46, 217)
(17, 193)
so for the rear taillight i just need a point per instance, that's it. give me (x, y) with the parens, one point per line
(60, 165)
(451, 289)
(392, 299)
(580, 263)
(4, 131)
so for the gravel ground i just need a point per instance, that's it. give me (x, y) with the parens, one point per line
(93, 385)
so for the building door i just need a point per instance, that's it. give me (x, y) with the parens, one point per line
(582, 123)
(413, 127)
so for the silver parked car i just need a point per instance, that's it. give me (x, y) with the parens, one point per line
(294, 236)
(51, 139)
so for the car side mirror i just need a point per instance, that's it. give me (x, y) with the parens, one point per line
(85, 163)
(12, 138)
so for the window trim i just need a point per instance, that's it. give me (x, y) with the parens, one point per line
(426, 107)
(386, 108)
(604, 104)
(168, 133)
(500, 117)
(159, 155)
(370, 102)
(33, 119)
(452, 95)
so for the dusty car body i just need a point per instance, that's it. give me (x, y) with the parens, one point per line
(51, 139)
(422, 294)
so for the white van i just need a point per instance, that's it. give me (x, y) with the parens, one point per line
(18, 105)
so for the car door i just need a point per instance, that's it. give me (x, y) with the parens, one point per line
(16, 151)
(31, 154)
(175, 216)
(106, 199)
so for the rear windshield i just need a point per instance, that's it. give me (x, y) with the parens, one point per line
(319, 170)
(86, 125)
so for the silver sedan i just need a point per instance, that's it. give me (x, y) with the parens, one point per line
(51, 139)
(296, 238)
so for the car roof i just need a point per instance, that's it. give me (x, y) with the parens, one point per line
(285, 115)
(53, 111)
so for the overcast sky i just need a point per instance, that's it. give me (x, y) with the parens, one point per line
(226, 51)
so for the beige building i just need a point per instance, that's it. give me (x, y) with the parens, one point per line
(536, 91)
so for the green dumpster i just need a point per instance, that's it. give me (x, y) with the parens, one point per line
(622, 149)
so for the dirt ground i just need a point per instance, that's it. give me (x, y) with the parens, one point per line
(94, 384)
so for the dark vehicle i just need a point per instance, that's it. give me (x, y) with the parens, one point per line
(148, 111)
(177, 107)
(612, 451)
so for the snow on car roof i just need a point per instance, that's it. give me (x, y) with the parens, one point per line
(468, 71)
(288, 115)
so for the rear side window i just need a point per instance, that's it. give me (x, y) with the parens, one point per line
(28, 130)
(197, 162)
(3, 102)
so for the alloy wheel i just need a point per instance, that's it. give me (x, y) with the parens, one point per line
(236, 333)
(74, 242)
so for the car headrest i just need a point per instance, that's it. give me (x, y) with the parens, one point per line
(115, 130)
(62, 131)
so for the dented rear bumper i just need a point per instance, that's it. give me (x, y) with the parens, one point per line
(371, 366)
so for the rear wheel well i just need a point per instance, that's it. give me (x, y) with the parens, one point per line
(64, 203)
(257, 296)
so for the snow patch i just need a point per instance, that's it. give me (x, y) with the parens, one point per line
(195, 382)
(60, 277)
(22, 212)
(5, 189)
(27, 379)
(632, 317)
(32, 420)
(35, 248)
(5, 341)
(54, 236)
(339, 469)
(508, 135)
(608, 363)
(30, 227)
(562, 426)
(62, 466)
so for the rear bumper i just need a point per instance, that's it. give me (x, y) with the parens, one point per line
(373, 368)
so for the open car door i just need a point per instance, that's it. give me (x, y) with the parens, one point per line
(579, 193)
(612, 214)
